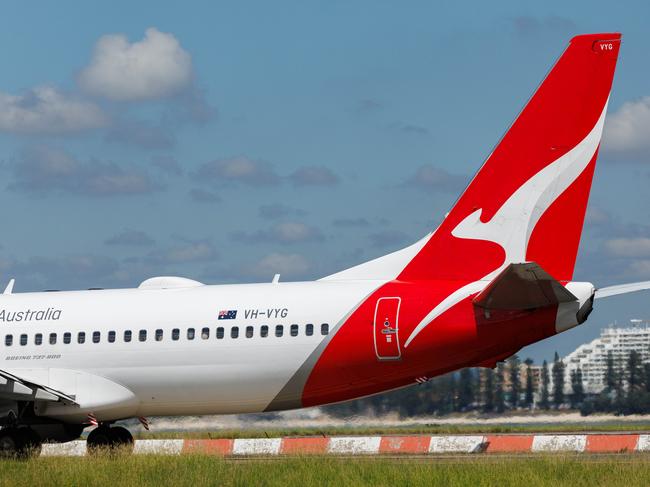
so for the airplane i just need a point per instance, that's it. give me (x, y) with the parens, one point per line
(495, 276)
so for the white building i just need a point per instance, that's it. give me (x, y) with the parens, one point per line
(592, 357)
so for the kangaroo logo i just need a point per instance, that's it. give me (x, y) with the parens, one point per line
(512, 225)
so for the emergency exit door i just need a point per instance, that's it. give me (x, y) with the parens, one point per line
(386, 329)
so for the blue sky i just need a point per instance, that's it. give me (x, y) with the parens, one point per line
(227, 141)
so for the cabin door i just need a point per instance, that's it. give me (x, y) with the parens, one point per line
(386, 329)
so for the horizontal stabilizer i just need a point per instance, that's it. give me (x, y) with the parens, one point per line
(633, 287)
(523, 286)
(14, 387)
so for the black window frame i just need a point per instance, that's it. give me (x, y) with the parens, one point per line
(52, 338)
(205, 333)
(81, 337)
(293, 330)
(112, 336)
(142, 335)
(191, 334)
(9, 340)
(158, 335)
(38, 339)
(67, 338)
(309, 329)
(234, 332)
(250, 331)
(221, 333)
(128, 336)
(176, 334)
(325, 329)
(264, 331)
(279, 331)
(97, 336)
(23, 339)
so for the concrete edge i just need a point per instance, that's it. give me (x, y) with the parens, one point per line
(380, 445)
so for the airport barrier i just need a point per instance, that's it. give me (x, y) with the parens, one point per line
(380, 445)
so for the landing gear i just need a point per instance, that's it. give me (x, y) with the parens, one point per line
(112, 439)
(19, 443)
(124, 437)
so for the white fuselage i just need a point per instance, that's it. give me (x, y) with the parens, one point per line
(171, 376)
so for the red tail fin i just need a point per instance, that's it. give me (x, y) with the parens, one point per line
(528, 201)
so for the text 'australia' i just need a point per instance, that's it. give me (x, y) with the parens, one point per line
(30, 315)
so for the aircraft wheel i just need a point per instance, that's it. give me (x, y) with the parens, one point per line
(30, 443)
(122, 439)
(100, 440)
(21, 443)
(9, 443)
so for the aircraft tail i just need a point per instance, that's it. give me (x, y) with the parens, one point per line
(528, 200)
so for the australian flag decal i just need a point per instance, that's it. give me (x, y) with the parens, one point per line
(228, 314)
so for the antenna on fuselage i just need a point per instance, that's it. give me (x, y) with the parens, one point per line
(276, 279)
(10, 287)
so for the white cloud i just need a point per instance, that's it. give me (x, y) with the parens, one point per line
(45, 169)
(627, 131)
(45, 110)
(238, 169)
(184, 252)
(296, 232)
(192, 252)
(430, 178)
(639, 269)
(597, 216)
(628, 247)
(314, 176)
(155, 67)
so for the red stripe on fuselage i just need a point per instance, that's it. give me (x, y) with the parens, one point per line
(460, 337)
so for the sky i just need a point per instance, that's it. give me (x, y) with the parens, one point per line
(229, 141)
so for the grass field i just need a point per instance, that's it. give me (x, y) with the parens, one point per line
(198, 470)
(416, 429)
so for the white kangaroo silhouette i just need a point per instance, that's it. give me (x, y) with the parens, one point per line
(513, 224)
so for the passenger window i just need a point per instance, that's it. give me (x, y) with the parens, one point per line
(176, 333)
(9, 340)
(52, 338)
(264, 331)
(96, 336)
(111, 336)
(220, 332)
(205, 333)
(159, 335)
(67, 337)
(234, 332)
(81, 337)
(127, 335)
(309, 329)
(23, 339)
(142, 336)
(190, 333)
(294, 330)
(38, 339)
(279, 330)
(324, 329)
(249, 332)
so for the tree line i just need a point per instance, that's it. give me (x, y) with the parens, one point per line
(515, 386)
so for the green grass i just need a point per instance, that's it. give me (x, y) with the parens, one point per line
(433, 429)
(199, 470)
